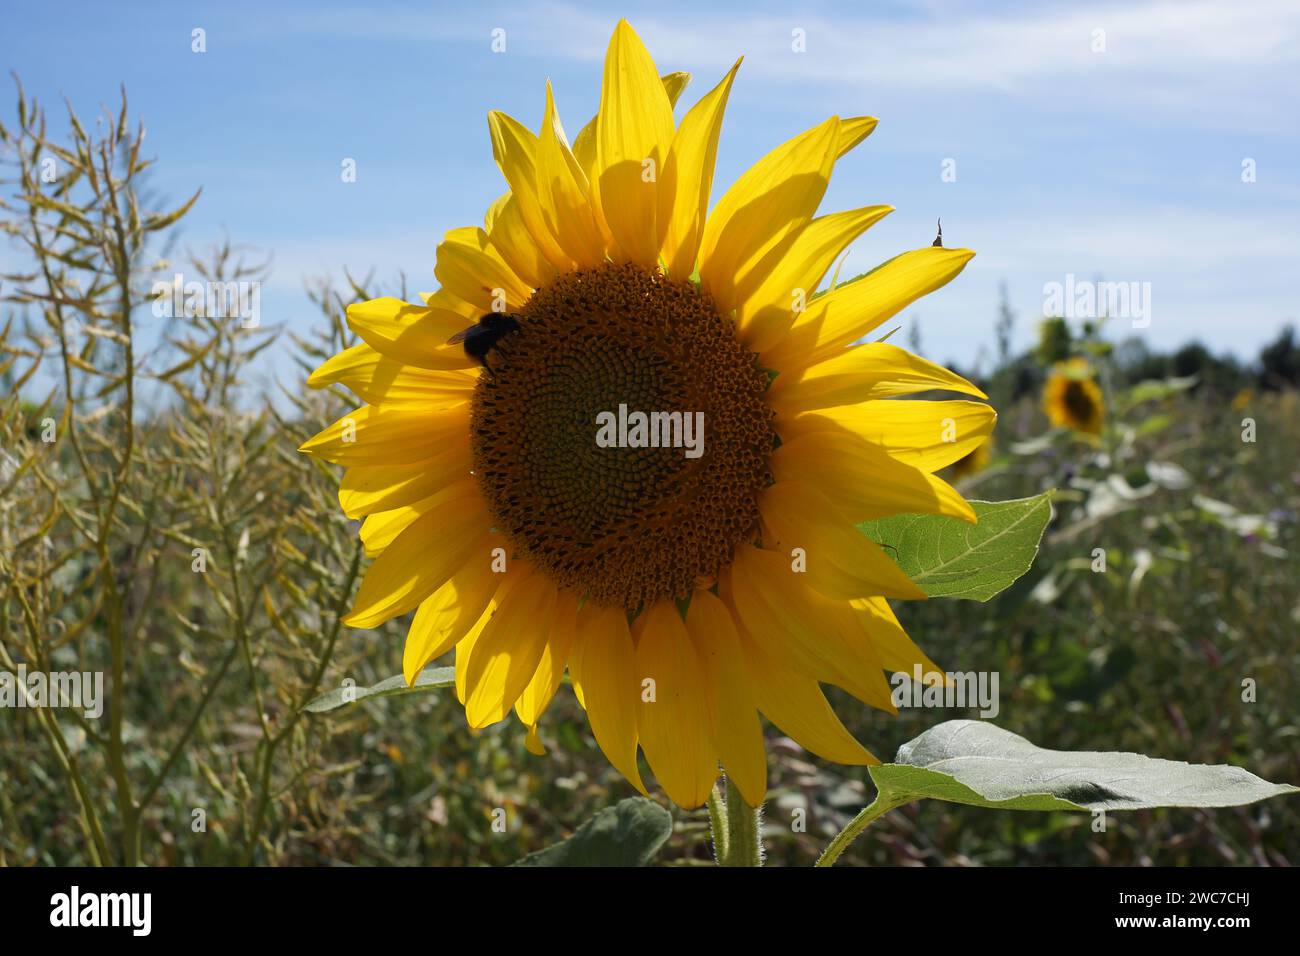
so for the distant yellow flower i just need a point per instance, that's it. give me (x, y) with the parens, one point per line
(1241, 401)
(685, 594)
(1072, 398)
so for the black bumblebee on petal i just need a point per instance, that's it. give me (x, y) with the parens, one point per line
(485, 335)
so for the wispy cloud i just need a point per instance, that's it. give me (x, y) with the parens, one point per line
(1226, 64)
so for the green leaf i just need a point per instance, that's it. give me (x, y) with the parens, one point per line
(427, 680)
(947, 557)
(1155, 390)
(978, 763)
(628, 834)
(981, 765)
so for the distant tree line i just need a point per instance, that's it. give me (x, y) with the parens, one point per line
(1276, 367)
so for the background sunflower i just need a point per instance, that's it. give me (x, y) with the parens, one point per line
(1072, 398)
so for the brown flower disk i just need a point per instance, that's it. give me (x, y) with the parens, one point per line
(1078, 399)
(621, 526)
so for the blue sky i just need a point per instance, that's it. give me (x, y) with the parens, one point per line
(1124, 164)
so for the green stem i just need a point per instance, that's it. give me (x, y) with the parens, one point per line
(718, 824)
(878, 808)
(744, 845)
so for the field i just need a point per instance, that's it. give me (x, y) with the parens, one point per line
(162, 529)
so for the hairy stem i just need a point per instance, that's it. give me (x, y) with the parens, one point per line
(718, 824)
(744, 831)
(878, 808)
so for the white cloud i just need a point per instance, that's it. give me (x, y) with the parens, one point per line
(1225, 62)
(1220, 64)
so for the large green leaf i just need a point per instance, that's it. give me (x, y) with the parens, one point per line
(976, 763)
(947, 557)
(627, 834)
(429, 679)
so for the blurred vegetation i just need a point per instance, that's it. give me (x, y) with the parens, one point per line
(170, 536)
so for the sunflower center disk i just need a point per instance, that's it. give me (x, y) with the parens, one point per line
(1079, 402)
(622, 526)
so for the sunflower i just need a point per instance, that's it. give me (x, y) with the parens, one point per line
(1072, 398)
(684, 594)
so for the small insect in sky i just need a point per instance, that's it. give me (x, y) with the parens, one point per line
(486, 334)
(938, 240)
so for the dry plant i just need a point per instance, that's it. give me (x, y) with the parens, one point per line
(158, 528)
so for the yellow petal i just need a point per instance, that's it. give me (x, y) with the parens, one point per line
(851, 311)
(509, 235)
(563, 191)
(391, 435)
(420, 560)
(778, 289)
(791, 623)
(443, 300)
(772, 608)
(470, 268)
(688, 179)
(446, 616)
(776, 196)
(925, 435)
(891, 643)
(675, 85)
(673, 725)
(683, 202)
(518, 572)
(410, 334)
(854, 130)
(533, 702)
(584, 144)
(603, 664)
(842, 562)
(861, 373)
(634, 129)
(797, 705)
(856, 654)
(733, 713)
(533, 742)
(366, 489)
(461, 661)
(861, 479)
(506, 654)
(515, 148)
(494, 212)
(377, 379)
(380, 528)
